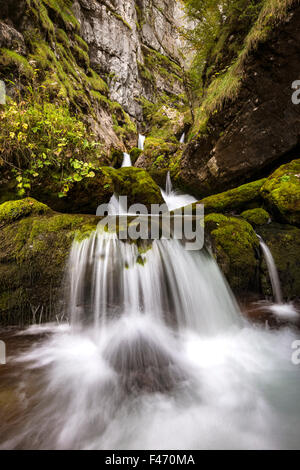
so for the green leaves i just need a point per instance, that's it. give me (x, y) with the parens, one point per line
(36, 137)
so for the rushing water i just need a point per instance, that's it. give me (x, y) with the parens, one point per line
(173, 198)
(283, 311)
(273, 272)
(157, 355)
(126, 161)
(141, 141)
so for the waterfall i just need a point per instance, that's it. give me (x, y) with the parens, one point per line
(273, 272)
(157, 356)
(109, 278)
(175, 199)
(182, 138)
(169, 186)
(141, 142)
(126, 160)
(284, 311)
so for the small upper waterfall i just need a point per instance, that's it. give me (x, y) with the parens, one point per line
(182, 138)
(273, 272)
(169, 186)
(141, 142)
(126, 160)
(284, 311)
(175, 199)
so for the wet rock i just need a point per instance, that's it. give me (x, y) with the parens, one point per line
(281, 192)
(284, 244)
(257, 216)
(236, 249)
(34, 246)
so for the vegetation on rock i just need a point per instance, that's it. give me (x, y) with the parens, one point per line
(235, 199)
(235, 247)
(282, 192)
(256, 216)
(34, 246)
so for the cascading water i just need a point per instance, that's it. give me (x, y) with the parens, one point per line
(273, 273)
(164, 284)
(141, 142)
(126, 161)
(182, 138)
(175, 199)
(280, 309)
(157, 356)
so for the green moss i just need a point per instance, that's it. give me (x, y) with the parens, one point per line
(234, 199)
(134, 154)
(96, 82)
(135, 183)
(256, 216)
(11, 59)
(33, 253)
(281, 192)
(11, 211)
(85, 232)
(235, 246)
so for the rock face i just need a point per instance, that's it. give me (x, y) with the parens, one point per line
(133, 46)
(124, 37)
(260, 127)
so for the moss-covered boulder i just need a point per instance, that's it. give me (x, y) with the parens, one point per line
(86, 195)
(34, 247)
(11, 211)
(236, 249)
(281, 192)
(136, 184)
(284, 243)
(256, 217)
(134, 154)
(244, 197)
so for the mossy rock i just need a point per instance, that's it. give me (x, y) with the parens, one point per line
(86, 195)
(134, 154)
(256, 216)
(33, 253)
(235, 199)
(236, 248)
(10, 211)
(281, 192)
(156, 150)
(136, 184)
(284, 244)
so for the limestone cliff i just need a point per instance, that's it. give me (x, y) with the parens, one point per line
(133, 46)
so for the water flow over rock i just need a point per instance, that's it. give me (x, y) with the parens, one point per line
(126, 161)
(109, 278)
(175, 199)
(141, 142)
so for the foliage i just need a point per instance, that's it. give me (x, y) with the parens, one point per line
(39, 135)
